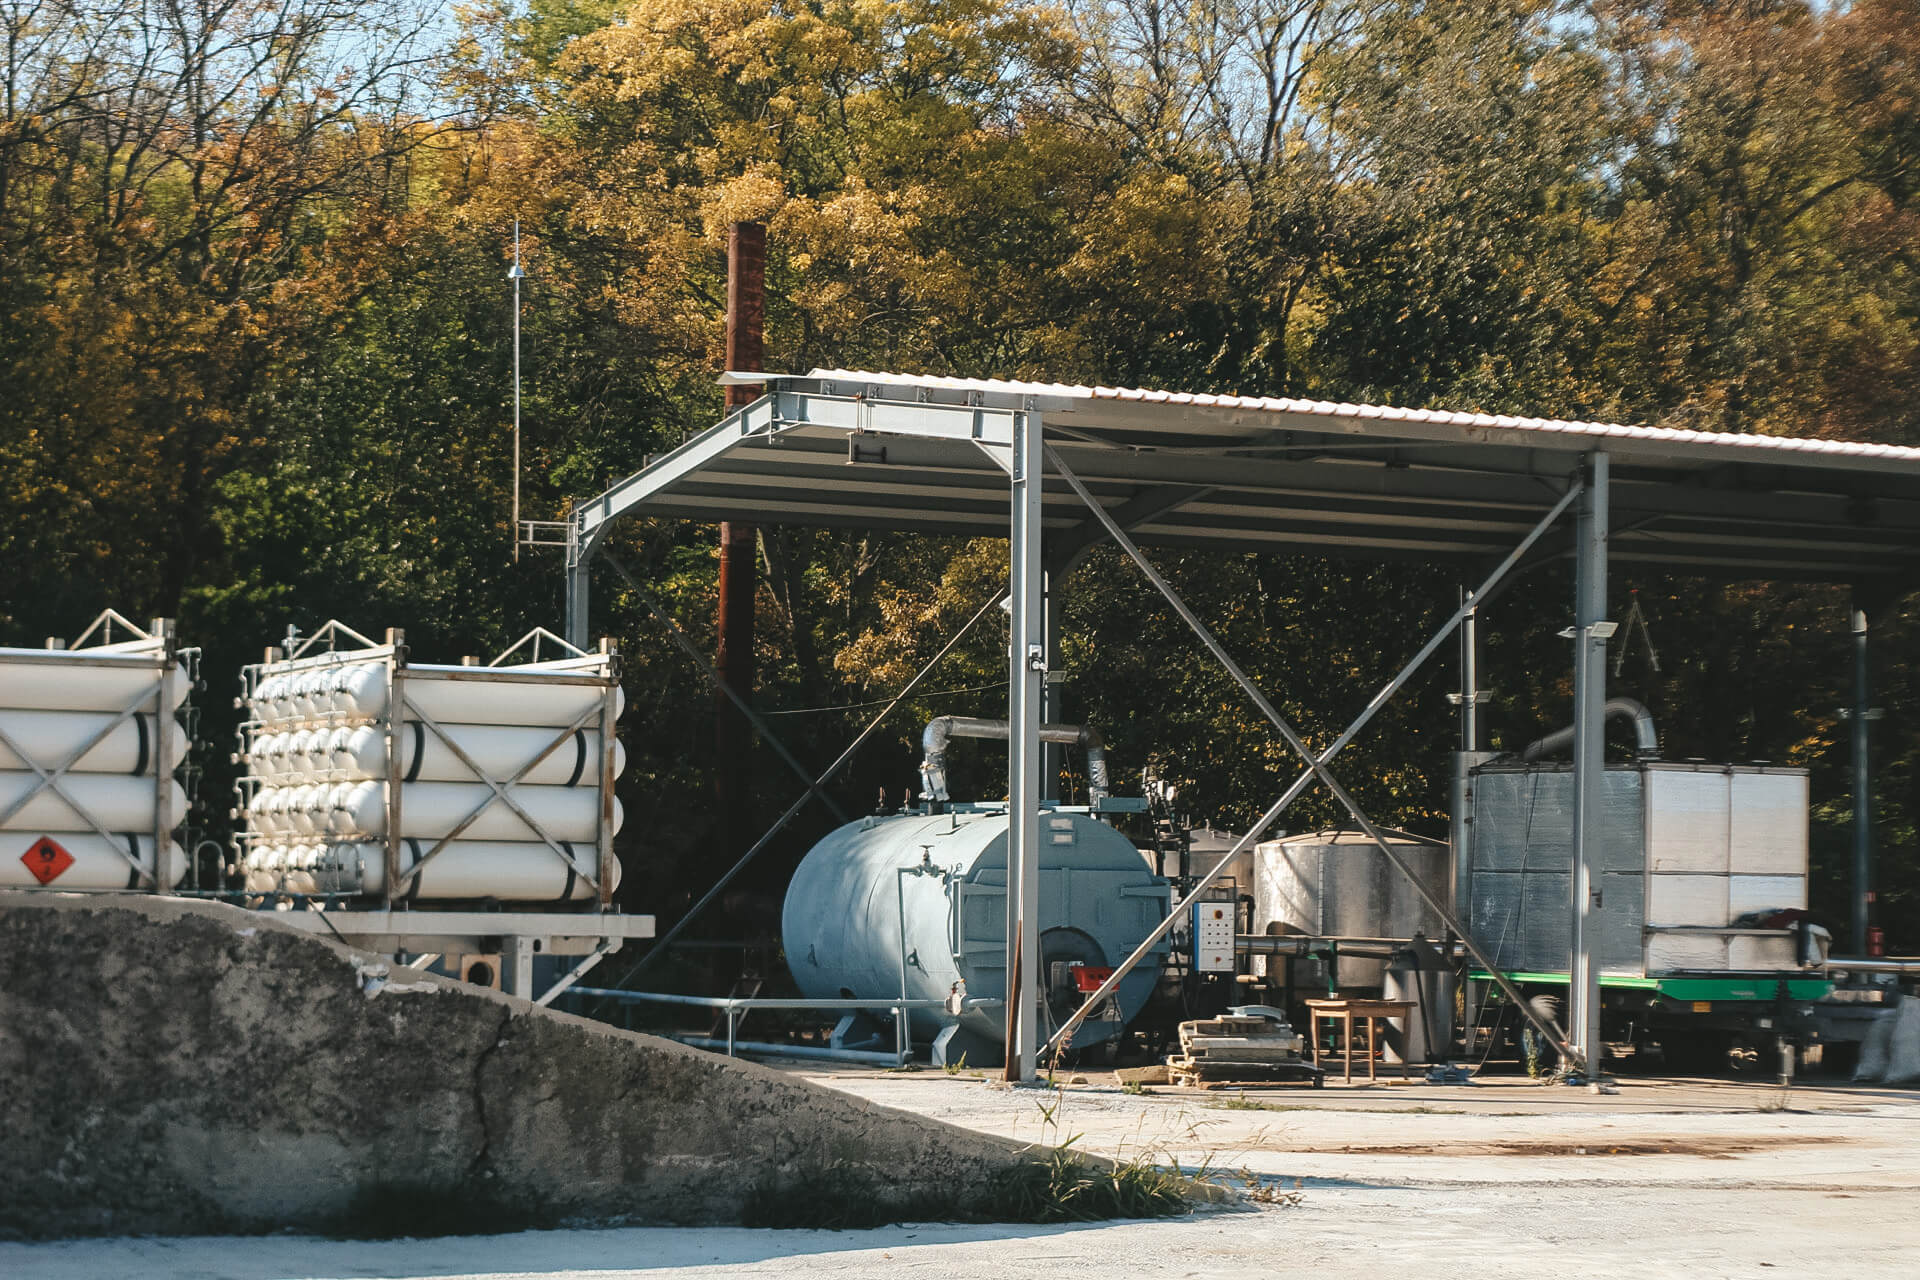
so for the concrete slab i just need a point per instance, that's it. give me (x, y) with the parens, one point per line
(174, 1066)
(1477, 1183)
(1689, 1133)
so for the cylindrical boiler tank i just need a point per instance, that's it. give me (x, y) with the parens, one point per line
(944, 876)
(1338, 885)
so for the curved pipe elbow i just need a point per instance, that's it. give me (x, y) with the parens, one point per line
(1646, 737)
(941, 730)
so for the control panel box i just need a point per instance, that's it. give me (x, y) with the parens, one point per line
(1213, 929)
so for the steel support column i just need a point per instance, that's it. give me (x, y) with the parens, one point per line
(1468, 757)
(1470, 695)
(579, 585)
(1026, 675)
(1859, 720)
(1052, 754)
(1590, 632)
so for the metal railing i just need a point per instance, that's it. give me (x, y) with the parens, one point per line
(735, 1006)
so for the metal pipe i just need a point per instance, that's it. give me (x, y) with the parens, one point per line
(746, 1003)
(516, 275)
(1316, 765)
(1262, 944)
(902, 1034)
(1871, 964)
(1861, 718)
(933, 745)
(1646, 737)
(1469, 671)
(789, 1050)
(733, 652)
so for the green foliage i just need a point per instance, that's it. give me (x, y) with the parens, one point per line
(1063, 1187)
(254, 365)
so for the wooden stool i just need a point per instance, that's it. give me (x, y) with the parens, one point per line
(1344, 1012)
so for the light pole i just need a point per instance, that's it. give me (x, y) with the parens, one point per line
(516, 275)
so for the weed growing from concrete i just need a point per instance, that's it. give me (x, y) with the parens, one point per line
(1261, 1191)
(1063, 1187)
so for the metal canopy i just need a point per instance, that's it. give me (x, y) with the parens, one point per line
(1057, 468)
(874, 450)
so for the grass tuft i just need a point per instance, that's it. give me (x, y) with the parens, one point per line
(1062, 1187)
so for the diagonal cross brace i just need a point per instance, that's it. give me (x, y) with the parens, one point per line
(659, 947)
(501, 790)
(50, 778)
(1316, 764)
(745, 708)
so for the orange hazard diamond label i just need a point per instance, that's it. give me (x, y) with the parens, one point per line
(46, 859)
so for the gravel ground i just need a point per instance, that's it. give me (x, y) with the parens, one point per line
(1493, 1180)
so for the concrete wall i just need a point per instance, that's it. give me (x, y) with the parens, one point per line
(180, 1067)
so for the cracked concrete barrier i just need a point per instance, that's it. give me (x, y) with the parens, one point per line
(178, 1067)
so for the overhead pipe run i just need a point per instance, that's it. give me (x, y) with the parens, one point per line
(941, 729)
(1646, 738)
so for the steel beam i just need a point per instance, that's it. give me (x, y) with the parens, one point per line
(1026, 675)
(1860, 719)
(1591, 630)
(579, 588)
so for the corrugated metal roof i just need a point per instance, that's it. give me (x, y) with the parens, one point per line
(1382, 413)
(862, 449)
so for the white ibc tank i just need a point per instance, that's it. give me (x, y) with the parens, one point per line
(96, 864)
(49, 737)
(104, 682)
(115, 802)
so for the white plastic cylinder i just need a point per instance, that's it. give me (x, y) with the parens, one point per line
(114, 802)
(521, 871)
(49, 737)
(89, 682)
(528, 699)
(429, 810)
(501, 750)
(97, 864)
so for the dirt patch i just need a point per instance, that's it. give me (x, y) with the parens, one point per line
(1711, 1147)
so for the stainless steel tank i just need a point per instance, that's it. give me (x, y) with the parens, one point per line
(1337, 885)
(1419, 973)
(925, 896)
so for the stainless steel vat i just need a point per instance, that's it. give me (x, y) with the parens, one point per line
(1337, 885)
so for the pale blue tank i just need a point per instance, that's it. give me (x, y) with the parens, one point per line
(947, 874)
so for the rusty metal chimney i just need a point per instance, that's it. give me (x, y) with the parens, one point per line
(746, 320)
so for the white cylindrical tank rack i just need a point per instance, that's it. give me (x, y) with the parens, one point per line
(91, 760)
(369, 776)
